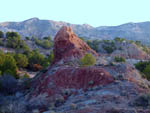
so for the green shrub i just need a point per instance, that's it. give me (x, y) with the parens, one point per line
(36, 59)
(118, 39)
(94, 44)
(144, 68)
(47, 38)
(21, 60)
(49, 59)
(83, 39)
(109, 46)
(1, 43)
(26, 76)
(1, 34)
(142, 101)
(12, 34)
(88, 60)
(138, 43)
(45, 43)
(147, 72)
(13, 42)
(27, 38)
(8, 65)
(119, 59)
(146, 49)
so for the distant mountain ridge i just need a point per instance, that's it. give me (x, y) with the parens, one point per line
(40, 28)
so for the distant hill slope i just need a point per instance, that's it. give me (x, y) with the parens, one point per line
(40, 28)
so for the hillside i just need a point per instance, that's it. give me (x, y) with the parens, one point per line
(40, 28)
(78, 79)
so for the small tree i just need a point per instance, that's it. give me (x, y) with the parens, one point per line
(48, 38)
(88, 60)
(147, 72)
(1, 34)
(118, 39)
(12, 34)
(8, 65)
(21, 60)
(119, 59)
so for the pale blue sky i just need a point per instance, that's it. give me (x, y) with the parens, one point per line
(93, 12)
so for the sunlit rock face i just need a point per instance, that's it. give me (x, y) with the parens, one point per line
(67, 45)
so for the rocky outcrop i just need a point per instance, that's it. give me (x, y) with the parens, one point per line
(59, 78)
(131, 51)
(70, 78)
(96, 89)
(67, 45)
(124, 49)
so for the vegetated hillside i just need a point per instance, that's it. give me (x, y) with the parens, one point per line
(40, 28)
(79, 80)
(24, 57)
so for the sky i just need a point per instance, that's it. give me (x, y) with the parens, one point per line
(93, 12)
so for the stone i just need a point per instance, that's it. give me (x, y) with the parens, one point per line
(67, 45)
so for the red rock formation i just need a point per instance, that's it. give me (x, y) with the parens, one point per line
(68, 45)
(83, 85)
(70, 77)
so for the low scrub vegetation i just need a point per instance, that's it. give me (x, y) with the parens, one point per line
(88, 60)
(94, 44)
(144, 68)
(21, 57)
(142, 101)
(109, 46)
(119, 59)
(45, 43)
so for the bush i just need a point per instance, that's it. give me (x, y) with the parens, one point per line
(1, 43)
(13, 42)
(51, 57)
(48, 38)
(138, 43)
(25, 76)
(45, 43)
(27, 38)
(8, 65)
(38, 61)
(119, 59)
(83, 39)
(1, 34)
(93, 44)
(143, 100)
(144, 68)
(21, 60)
(147, 72)
(13, 105)
(88, 60)
(109, 46)
(36, 58)
(117, 39)
(8, 84)
(12, 34)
